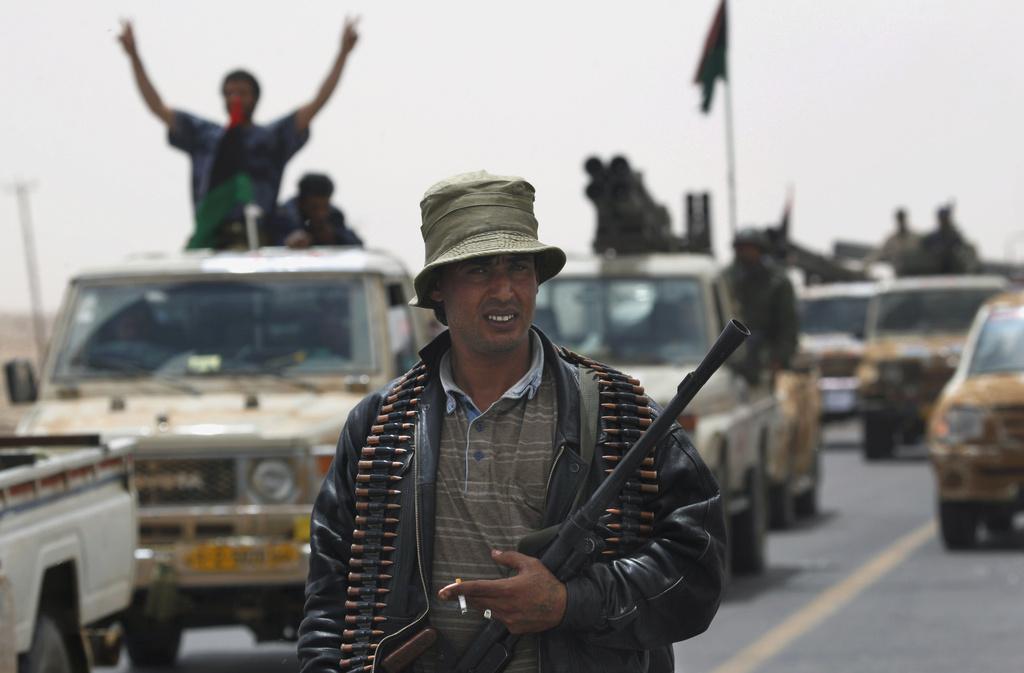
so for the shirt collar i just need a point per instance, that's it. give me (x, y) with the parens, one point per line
(525, 387)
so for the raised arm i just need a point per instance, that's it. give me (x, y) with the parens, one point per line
(349, 37)
(146, 88)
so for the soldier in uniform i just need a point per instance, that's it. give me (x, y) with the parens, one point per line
(901, 249)
(766, 303)
(946, 249)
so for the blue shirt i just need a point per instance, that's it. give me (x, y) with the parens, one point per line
(267, 150)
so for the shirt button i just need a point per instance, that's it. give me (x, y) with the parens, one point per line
(574, 467)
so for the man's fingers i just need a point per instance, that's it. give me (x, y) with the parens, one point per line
(472, 588)
(511, 559)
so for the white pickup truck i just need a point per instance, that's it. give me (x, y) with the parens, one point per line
(67, 540)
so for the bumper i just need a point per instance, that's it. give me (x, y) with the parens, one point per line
(838, 396)
(979, 474)
(903, 412)
(224, 563)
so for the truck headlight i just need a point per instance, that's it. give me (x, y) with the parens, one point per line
(960, 424)
(867, 374)
(272, 480)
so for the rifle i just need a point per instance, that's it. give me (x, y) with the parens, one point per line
(575, 542)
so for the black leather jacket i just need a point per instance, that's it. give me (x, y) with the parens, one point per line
(621, 615)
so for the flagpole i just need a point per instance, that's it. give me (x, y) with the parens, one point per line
(729, 144)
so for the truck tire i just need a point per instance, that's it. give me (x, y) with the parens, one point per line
(749, 529)
(781, 504)
(959, 524)
(879, 440)
(150, 642)
(806, 504)
(49, 652)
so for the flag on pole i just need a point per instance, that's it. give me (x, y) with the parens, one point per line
(787, 211)
(712, 60)
(229, 184)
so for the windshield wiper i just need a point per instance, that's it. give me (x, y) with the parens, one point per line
(125, 367)
(278, 373)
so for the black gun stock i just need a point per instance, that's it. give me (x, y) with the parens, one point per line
(492, 648)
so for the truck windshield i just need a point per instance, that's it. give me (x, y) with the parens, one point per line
(947, 310)
(1001, 344)
(217, 327)
(624, 320)
(834, 315)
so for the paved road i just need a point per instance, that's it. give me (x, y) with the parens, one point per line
(864, 587)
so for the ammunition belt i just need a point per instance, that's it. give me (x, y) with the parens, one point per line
(383, 459)
(625, 414)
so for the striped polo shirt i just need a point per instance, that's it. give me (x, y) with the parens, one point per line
(491, 485)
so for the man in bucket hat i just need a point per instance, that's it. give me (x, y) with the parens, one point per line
(480, 450)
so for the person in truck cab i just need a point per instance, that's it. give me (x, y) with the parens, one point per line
(478, 449)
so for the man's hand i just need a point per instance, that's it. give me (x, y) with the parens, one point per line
(127, 38)
(531, 601)
(349, 34)
(298, 239)
(146, 88)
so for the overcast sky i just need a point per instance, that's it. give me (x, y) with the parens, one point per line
(860, 105)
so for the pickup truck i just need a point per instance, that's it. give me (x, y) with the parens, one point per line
(67, 542)
(916, 332)
(833, 322)
(654, 316)
(235, 372)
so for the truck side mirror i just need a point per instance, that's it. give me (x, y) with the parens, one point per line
(20, 376)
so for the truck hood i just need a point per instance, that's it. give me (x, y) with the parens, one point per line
(914, 347)
(318, 417)
(830, 344)
(988, 390)
(660, 383)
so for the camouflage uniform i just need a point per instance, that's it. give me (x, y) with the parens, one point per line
(948, 252)
(903, 251)
(767, 305)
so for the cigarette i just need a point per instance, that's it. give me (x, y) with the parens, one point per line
(462, 599)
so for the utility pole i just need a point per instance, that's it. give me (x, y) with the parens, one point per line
(21, 191)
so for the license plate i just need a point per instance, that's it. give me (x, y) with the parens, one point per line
(835, 401)
(230, 558)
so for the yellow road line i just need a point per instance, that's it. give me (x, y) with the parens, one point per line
(827, 603)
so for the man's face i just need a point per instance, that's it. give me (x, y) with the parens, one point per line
(315, 208)
(748, 254)
(489, 302)
(237, 89)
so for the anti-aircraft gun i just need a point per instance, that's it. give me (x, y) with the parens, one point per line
(629, 220)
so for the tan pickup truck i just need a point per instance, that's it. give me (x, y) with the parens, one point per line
(654, 316)
(916, 331)
(976, 433)
(235, 372)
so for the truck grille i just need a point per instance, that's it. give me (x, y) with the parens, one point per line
(1011, 422)
(838, 366)
(185, 481)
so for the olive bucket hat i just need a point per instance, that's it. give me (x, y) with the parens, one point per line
(479, 215)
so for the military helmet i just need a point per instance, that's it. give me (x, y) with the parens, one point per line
(750, 236)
